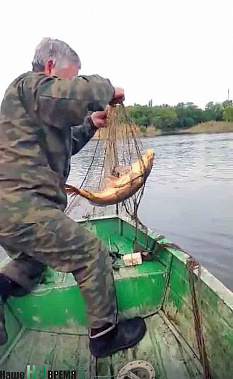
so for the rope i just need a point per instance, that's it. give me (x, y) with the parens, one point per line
(137, 197)
(93, 158)
(120, 147)
(191, 265)
(72, 203)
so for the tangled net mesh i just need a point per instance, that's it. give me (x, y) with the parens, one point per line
(117, 145)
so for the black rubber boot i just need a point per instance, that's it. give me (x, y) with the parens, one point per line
(7, 288)
(126, 334)
(3, 333)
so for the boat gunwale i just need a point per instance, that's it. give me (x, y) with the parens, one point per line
(209, 279)
(225, 294)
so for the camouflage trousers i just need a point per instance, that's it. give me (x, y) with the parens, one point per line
(64, 245)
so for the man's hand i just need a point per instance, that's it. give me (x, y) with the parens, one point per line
(118, 97)
(99, 119)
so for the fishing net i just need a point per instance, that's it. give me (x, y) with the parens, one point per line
(118, 145)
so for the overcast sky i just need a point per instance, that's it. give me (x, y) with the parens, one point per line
(165, 50)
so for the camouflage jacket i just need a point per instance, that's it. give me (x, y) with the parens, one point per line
(41, 126)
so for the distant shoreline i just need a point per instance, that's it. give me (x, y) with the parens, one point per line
(207, 127)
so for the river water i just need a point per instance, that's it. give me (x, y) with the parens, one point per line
(188, 196)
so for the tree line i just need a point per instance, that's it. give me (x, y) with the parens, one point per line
(183, 115)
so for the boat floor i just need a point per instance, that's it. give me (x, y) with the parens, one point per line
(161, 347)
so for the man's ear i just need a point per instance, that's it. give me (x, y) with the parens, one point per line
(49, 66)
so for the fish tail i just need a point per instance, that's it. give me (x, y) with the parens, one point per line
(72, 190)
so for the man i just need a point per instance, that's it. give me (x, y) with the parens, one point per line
(38, 134)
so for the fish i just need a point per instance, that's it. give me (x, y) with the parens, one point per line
(124, 183)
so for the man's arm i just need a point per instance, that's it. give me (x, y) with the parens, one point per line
(82, 134)
(66, 102)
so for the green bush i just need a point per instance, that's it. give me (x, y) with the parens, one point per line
(228, 114)
(183, 115)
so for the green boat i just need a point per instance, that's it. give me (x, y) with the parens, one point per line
(188, 312)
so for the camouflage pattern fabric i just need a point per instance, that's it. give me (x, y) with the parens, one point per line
(39, 131)
(66, 246)
(24, 270)
(39, 114)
